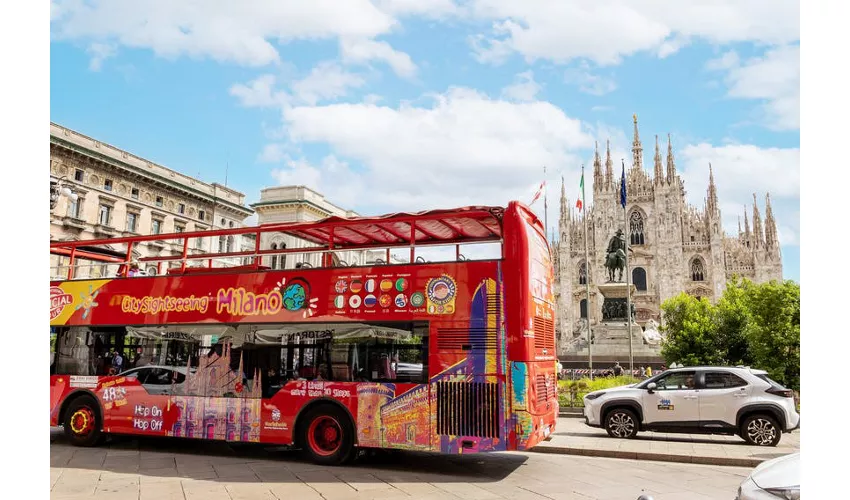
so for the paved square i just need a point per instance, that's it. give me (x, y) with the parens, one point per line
(165, 469)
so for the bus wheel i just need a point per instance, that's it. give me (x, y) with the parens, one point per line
(327, 435)
(82, 422)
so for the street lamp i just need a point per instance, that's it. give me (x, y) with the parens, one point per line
(58, 189)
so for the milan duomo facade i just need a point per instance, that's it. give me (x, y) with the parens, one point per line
(675, 246)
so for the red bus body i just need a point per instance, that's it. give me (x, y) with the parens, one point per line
(491, 354)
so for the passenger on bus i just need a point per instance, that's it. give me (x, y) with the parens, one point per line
(134, 269)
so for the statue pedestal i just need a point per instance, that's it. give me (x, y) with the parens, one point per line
(614, 303)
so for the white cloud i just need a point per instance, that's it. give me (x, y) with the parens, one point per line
(100, 52)
(465, 148)
(425, 8)
(327, 81)
(240, 32)
(363, 51)
(605, 31)
(332, 177)
(773, 78)
(260, 93)
(272, 153)
(524, 88)
(589, 83)
(740, 170)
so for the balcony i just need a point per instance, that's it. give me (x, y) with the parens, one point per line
(73, 223)
(104, 230)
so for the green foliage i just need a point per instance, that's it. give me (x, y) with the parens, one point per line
(571, 392)
(755, 325)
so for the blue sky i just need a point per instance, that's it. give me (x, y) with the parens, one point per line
(391, 105)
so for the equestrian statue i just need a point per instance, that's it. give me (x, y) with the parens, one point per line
(615, 260)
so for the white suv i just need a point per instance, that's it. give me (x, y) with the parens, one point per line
(698, 400)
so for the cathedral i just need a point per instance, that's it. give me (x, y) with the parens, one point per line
(674, 246)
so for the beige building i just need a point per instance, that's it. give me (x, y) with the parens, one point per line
(118, 194)
(676, 247)
(301, 204)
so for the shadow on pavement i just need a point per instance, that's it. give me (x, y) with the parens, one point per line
(219, 461)
(652, 436)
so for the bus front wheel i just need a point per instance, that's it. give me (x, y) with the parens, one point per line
(327, 435)
(82, 423)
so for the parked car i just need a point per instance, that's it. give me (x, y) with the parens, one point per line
(159, 379)
(706, 399)
(777, 478)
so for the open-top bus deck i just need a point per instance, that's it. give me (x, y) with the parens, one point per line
(452, 356)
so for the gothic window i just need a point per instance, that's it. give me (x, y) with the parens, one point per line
(582, 274)
(697, 270)
(583, 308)
(639, 278)
(274, 257)
(636, 228)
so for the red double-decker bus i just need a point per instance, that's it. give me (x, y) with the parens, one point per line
(453, 355)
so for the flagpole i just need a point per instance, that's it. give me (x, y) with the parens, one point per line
(628, 277)
(587, 280)
(545, 205)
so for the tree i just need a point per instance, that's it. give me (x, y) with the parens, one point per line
(756, 325)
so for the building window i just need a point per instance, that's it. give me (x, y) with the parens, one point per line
(74, 208)
(583, 308)
(230, 244)
(221, 242)
(223, 223)
(697, 270)
(132, 222)
(104, 215)
(582, 273)
(274, 257)
(134, 193)
(639, 278)
(107, 184)
(636, 228)
(156, 226)
(178, 228)
(78, 175)
(201, 214)
(181, 208)
(159, 201)
(231, 224)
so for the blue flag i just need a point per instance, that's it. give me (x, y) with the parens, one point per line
(623, 187)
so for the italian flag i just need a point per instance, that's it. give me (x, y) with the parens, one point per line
(580, 200)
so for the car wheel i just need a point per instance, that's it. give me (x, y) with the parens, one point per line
(327, 435)
(621, 423)
(761, 430)
(82, 423)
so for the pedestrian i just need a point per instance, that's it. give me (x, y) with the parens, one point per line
(618, 370)
(117, 362)
(648, 371)
(642, 372)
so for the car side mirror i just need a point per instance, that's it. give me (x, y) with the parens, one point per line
(651, 387)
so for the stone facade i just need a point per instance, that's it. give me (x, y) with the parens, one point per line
(301, 204)
(120, 194)
(675, 247)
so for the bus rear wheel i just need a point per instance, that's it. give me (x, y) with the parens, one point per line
(82, 423)
(327, 435)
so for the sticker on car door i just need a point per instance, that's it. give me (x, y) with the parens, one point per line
(664, 404)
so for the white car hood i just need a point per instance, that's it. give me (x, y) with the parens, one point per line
(780, 472)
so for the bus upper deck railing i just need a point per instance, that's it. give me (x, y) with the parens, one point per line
(332, 242)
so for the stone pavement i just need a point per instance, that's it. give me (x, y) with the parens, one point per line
(166, 469)
(573, 437)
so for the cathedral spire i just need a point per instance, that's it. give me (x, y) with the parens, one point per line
(746, 224)
(739, 227)
(712, 206)
(564, 206)
(758, 235)
(609, 166)
(637, 149)
(671, 164)
(771, 238)
(659, 172)
(597, 170)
